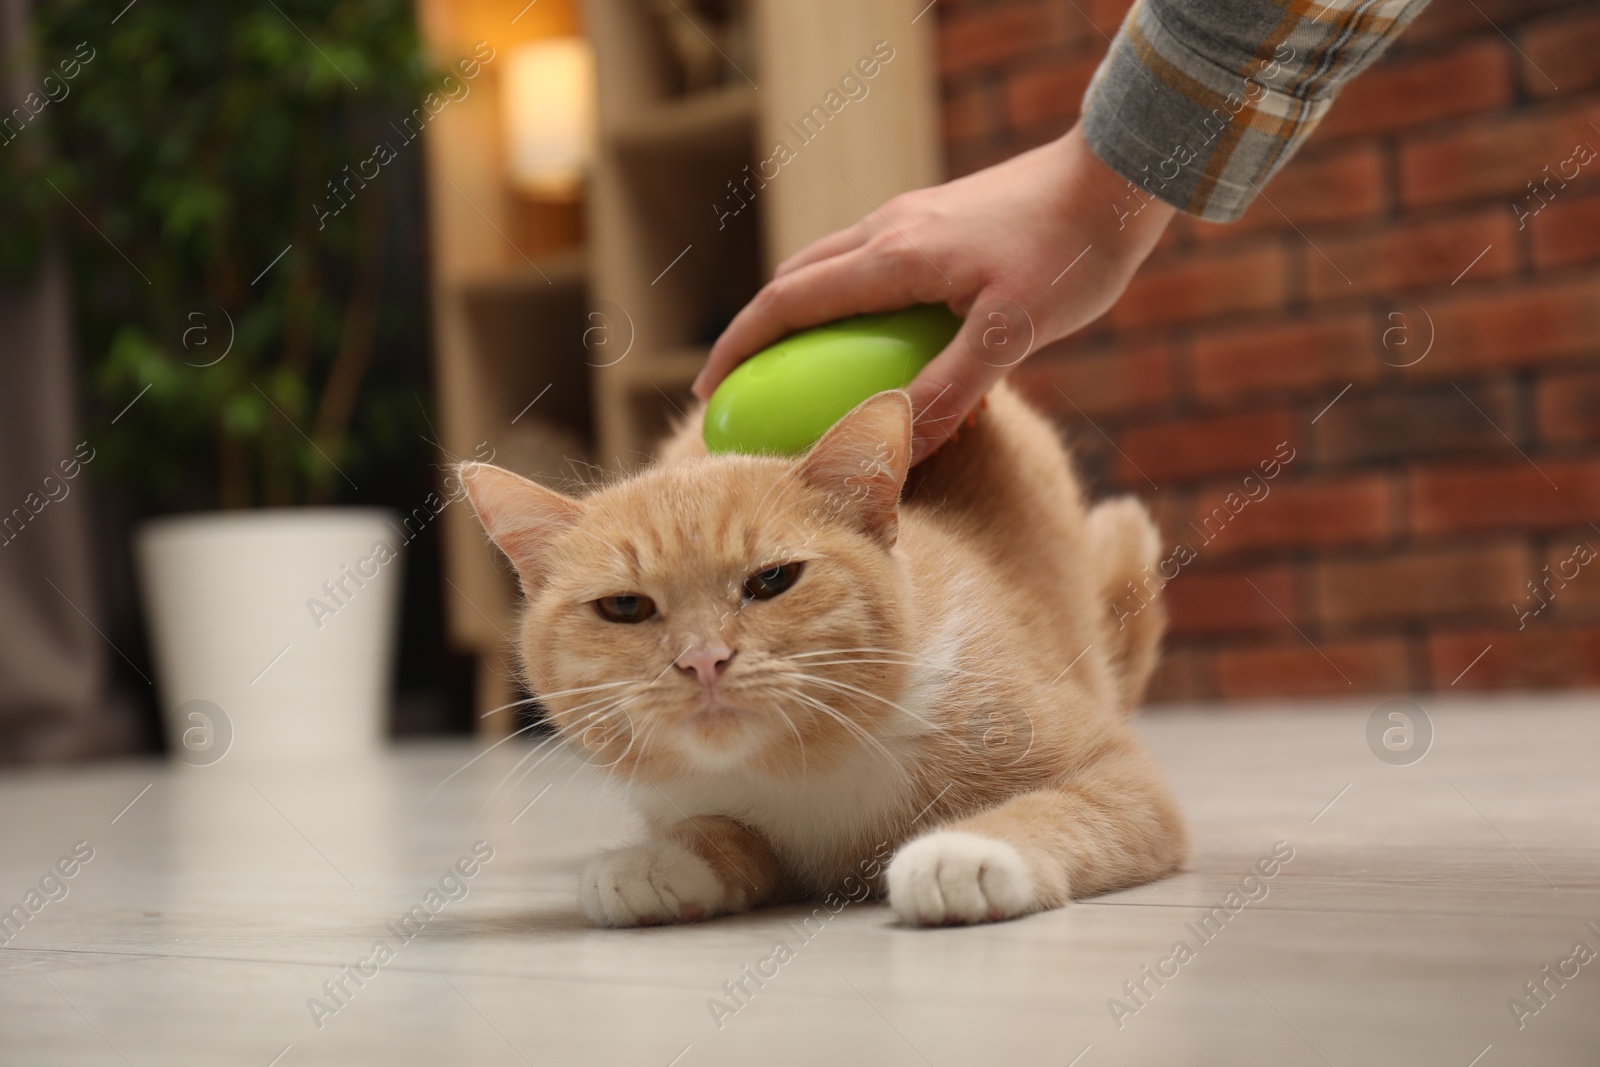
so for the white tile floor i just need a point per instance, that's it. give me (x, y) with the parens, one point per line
(1417, 904)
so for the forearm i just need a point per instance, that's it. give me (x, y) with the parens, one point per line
(1201, 101)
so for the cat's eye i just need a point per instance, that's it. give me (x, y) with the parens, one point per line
(766, 584)
(625, 607)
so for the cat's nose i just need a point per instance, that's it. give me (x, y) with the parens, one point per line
(706, 662)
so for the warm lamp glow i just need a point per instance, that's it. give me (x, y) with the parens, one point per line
(549, 114)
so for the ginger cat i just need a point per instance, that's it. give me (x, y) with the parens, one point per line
(798, 666)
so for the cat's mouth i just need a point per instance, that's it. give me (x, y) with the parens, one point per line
(717, 725)
(714, 708)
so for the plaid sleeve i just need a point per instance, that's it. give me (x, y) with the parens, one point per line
(1200, 101)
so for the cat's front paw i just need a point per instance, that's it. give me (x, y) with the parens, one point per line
(951, 876)
(650, 884)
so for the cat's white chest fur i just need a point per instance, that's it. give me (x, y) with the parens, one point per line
(814, 823)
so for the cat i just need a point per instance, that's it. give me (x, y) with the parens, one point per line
(797, 665)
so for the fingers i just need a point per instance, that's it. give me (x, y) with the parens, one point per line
(870, 278)
(836, 243)
(946, 390)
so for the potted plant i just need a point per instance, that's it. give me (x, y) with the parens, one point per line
(229, 282)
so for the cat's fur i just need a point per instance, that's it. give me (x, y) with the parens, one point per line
(946, 679)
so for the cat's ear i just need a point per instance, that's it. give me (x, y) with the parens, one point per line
(520, 516)
(861, 463)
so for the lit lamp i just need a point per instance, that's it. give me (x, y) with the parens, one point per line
(549, 115)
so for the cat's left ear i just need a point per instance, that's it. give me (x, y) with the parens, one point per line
(520, 516)
(861, 463)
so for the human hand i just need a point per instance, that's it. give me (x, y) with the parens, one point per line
(994, 246)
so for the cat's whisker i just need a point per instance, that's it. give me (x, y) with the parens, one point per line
(853, 648)
(637, 739)
(514, 704)
(847, 687)
(854, 727)
(910, 658)
(849, 655)
(576, 690)
(936, 668)
(475, 759)
(899, 655)
(620, 704)
(608, 687)
(844, 720)
(533, 750)
(619, 708)
(551, 744)
(650, 730)
(554, 739)
(567, 713)
(799, 740)
(578, 768)
(524, 775)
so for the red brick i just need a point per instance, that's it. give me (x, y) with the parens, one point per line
(1397, 425)
(1562, 51)
(1186, 449)
(1546, 321)
(1107, 15)
(1298, 669)
(1204, 285)
(1567, 407)
(993, 36)
(1330, 187)
(966, 157)
(1170, 510)
(1424, 586)
(1321, 513)
(971, 112)
(1495, 157)
(1439, 21)
(1182, 675)
(1567, 587)
(1540, 657)
(1053, 90)
(1397, 258)
(1286, 355)
(1101, 381)
(1511, 496)
(1180, 231)
(1210, 602)
(1174, 242)
(1567, 231)
(1402, 92)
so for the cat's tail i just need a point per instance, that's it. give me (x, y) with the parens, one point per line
(1126, 548)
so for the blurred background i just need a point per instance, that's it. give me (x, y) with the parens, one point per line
(1435, 251)
(268, 269)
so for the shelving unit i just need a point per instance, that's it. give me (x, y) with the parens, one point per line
(538, 301)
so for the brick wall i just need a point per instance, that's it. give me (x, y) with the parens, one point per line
(1389, 552)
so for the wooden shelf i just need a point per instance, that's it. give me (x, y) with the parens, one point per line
(675, 367)
(558, 275)
(700, 122)
(645, 396)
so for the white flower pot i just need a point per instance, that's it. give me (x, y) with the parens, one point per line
(273, 631)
